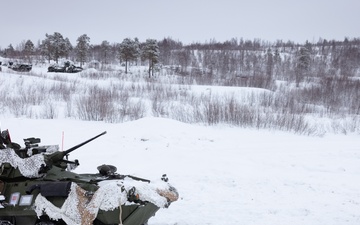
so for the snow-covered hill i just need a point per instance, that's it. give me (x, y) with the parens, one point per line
(225, 175)
(113, 96)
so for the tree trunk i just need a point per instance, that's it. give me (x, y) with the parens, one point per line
(126, 63)
(152, 68)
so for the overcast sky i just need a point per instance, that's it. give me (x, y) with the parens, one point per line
(183, 20)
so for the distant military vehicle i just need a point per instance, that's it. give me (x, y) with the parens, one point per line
(68, 67)
(20, 67)
(37, 187)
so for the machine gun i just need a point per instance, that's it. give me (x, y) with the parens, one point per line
(58, 158)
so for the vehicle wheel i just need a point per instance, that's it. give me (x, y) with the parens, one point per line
(5, 222)
(9, 220)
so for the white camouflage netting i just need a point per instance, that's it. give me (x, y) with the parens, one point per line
(2, 198)
(49, 149)
(79, 209)
(29, 167)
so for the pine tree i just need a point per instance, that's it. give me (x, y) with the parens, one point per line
(68, 47)
(45, 49)
(105, 51)
(128, 50)
(82, 48)
(29, 49)
(55, 46)
(150, 51)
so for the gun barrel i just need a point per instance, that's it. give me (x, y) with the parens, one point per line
(81, 144)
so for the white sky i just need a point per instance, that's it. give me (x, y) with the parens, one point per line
(184, 20)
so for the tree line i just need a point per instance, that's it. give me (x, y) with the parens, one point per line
(55, 46)
(236, 61)
(259, 63)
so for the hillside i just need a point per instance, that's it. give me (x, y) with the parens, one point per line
(315, 107)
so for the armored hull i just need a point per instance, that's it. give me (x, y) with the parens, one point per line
(37, 187)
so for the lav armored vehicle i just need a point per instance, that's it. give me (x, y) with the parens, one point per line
(20, 67)
(68, 67)
(37, 186)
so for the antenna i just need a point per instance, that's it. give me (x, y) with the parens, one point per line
(62, 141)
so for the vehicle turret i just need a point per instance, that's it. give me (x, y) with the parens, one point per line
(58, 158)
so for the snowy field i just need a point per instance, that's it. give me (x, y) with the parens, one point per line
(225, 175)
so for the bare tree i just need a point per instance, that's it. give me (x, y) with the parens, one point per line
(303, 64)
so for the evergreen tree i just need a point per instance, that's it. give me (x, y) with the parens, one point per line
(29, 49)
(150, 51)
(68, 47)
(128, 51)
(105, 51)
(55, 46)
(82, 48)
(138, 46)
(45, 49)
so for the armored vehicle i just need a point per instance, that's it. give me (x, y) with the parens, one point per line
(37, 186)
(68, 67)
(21, 67)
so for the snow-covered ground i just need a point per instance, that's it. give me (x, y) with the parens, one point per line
(224, 175)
